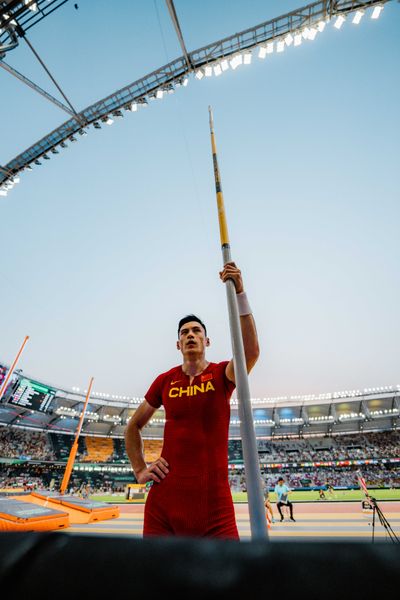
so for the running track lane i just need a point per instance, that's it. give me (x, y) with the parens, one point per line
(333, 521)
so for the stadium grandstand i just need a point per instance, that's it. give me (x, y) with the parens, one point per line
(313, 441)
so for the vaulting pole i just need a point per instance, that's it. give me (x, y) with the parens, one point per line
(258, 521)
(74, 449)
(12, 368)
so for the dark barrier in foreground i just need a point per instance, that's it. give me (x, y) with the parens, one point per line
(64, 566)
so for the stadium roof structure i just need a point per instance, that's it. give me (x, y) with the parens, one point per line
(17, 17)
(29, 403)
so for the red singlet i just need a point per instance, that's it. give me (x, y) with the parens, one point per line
(194, 499)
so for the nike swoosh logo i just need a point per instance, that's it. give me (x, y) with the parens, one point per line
(177, 381)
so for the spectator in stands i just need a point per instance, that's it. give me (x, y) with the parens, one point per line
(190, 494)
(282, 493)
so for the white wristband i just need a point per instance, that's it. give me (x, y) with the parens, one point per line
(243, 304)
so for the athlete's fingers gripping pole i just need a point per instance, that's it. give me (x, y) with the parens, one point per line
(250, 454)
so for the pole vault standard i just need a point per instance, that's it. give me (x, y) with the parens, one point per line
(12, 368)
(74, 449)
(258, 521)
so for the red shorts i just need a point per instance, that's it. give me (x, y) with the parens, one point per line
(189, 507)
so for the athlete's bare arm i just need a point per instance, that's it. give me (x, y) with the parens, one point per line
(247, 323)
(134, 447)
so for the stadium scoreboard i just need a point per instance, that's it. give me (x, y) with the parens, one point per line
(32, 395)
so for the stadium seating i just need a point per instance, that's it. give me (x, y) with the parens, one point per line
(98, 449)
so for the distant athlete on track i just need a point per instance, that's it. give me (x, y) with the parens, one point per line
(268, 506)
(190, 493)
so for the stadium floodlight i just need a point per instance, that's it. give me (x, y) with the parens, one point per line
(108, 120)
(63, 145)
(247, 58)
(199, 74)
(270, 47)
(37, 162)
(289, 39)
(28, 168)
(96, 125)
(224, 65)
(82, 132)
(280, 46)
(46, 157)
(377, 11)
(217, 70)
(159, 94)
(133, 107)
(16, 179)
(298, 39)
(262, 53)
(339, 21)
(321, 26)
(185, 81)
(236, 61)
(33, 6)
(3, 192)
(312, 34)
(358, 16)
(54, 151)
(305, 33)
(208, 71)
(72, 139)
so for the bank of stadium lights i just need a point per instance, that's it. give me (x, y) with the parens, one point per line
(157, 421)
(351, 416)
(294, 38)
(380, 390)
(384, 412)
(66, 411)
(217, 67)
(116, 419)
(256, 422)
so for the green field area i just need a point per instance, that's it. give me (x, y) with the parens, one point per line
(312, 496)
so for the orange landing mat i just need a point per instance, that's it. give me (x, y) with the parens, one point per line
(19, 515)
(78, 509)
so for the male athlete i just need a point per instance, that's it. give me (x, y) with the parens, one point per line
(190, 493)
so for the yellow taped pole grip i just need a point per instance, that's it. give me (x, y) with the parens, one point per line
(223, 227)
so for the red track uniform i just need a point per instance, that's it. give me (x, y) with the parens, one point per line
(194, 499)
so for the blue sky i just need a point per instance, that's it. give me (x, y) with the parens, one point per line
(107, 245)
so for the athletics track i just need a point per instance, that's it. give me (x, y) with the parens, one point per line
(325, 521)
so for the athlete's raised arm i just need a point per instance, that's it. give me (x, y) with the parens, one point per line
(247, 323)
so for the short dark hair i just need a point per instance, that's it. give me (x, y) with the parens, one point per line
(188, 319)
(281, 479)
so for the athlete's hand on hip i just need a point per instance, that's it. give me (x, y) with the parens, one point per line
(157, 471)
(230, 271)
